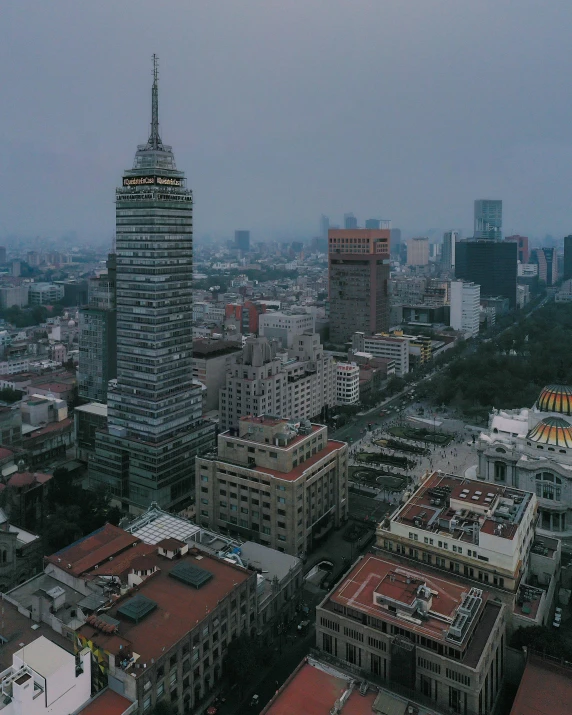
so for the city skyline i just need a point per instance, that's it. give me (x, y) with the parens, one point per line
(270, 134)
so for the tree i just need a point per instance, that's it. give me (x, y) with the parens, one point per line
(243, 659)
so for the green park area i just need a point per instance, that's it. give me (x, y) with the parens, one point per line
(422, 435)
(377, 478)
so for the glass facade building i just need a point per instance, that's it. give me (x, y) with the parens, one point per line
(155, 425)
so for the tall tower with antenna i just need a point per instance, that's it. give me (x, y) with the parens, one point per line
(155, 425)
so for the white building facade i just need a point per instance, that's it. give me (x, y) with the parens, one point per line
(531, 449)
(347, 383)
(465, 307)
(285, 326)
(296, 384)
(388, 347)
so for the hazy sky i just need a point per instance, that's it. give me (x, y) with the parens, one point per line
(281, 111)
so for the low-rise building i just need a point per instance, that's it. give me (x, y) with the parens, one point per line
(418, 632)
(45, 678)
(45, 293)
(387, 347)
(274, 482)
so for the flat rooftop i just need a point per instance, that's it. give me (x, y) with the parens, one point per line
(177, 607)
(455, 507)
(107, 702)
(93, 408)
(545, 689)
(376, 584)
(315, 686)
(152, 528)
(45, 657)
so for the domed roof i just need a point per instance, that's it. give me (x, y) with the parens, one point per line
(553, 431)
(555, 398)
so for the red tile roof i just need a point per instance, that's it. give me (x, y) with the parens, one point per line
(5, 453)
(108, 702)
(545, 689)
(180, 607)
(23, 479)
(94, 549)
(312, 691)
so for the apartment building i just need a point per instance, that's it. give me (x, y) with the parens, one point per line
(347, 383)
(387, 347)
(297, 383)
(483, 535)
(274, 482)
(45, 293)
(413, 630)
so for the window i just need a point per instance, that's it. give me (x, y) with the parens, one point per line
(548, 486)
(281, 500)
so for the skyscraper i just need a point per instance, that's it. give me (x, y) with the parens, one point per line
(567, 257)
(154, 412)
(522, 243)
(242, 241)
(374, 223)
(324, 226)
(417, 251)
(98, 336)
(490, 264)
(450, 239)
(488, 219)
(350, 221)
(358, 280)
(545, 259)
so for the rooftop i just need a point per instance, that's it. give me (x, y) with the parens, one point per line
(44, 656)
(315, 688)
(426, 604)
(93, 408)
(545, 689)
(459, 508)
(18, 630)
(107, 702)
(178, 607)
(91, 550)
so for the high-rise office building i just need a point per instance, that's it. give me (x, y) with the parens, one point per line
(450, 239)
(98, 336)
(545, 259)
(465, 307)
(154, 411)
(395, 242)
(567, 257)
(2, 255)
(490, 264)
(488, 219)
(522, 244)
(350, 221)
(417, 251)
(358, 280)
(374, 223)
(242, 241)
(324, 226)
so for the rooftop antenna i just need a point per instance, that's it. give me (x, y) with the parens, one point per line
(154, 138)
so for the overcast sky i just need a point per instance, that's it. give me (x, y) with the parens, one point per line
(281, 111)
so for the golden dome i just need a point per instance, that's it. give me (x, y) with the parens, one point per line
(553, 431)
(555, 398)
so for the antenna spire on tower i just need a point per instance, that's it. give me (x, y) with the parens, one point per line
(154, 138)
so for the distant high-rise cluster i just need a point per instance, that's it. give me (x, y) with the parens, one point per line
(488, 219)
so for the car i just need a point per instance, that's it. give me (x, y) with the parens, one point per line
(558, 617)
(558, 610)
(556, 624)
(303, 626)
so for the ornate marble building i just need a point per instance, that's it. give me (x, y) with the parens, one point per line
(531, 449)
